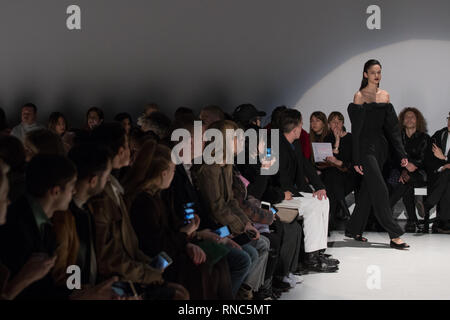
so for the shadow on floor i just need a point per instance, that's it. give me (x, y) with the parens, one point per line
(350, 243)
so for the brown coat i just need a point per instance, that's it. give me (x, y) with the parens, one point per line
(215, 184)
(117, 246)
(68, 245)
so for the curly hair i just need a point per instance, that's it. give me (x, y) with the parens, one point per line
(421, 123)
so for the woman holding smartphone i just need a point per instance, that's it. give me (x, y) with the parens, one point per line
(373, 120)
(152, 172)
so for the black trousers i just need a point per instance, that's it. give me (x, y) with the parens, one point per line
(338, 185)
(275, 237)
(290, 248)
(439, 194)
(406, 192)
(373, 193)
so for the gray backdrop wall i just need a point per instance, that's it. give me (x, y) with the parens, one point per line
(307, 54)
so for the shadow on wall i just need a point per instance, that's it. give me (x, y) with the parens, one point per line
(193, 53)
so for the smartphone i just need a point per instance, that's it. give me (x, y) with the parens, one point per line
(269, 153)
(189, 212)
(223, 232)
(124, 289)
(265, 205)
(274, 210)
(161, 261)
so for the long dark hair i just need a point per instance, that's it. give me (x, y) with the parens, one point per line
(367, 65)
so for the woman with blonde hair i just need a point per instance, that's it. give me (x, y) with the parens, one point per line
(154, 222)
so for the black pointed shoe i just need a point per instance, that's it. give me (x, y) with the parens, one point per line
(401, 246)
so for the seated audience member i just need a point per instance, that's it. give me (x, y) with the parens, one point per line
(304, 137)
(12, 153)
(214, 182)
(291, 179)
(28, 122)
(210, 114)
(262, 219)
(157, 228)
(438, 169)
(338, 177)
(148, 110)
(27, 238)
(285, 238)
(42, 141)
(125, 120)
(94, 118)
(75, 227)
(247, 116)
(57, 123)
(137, 139)
(239, 261)
(318, 132)
(117, 246)
(158, 123)
(3, 123)
(416, 142)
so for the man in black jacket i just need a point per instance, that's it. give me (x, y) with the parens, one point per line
(438, 169)
(293, 171)
(50, 182)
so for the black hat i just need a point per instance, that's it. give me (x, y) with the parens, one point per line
(246, 113)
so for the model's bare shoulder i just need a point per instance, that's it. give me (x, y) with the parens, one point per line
(358, 98)
(384, 96)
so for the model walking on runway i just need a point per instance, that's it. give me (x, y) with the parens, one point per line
(373, 120)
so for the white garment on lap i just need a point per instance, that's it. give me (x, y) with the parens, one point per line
(315, 219)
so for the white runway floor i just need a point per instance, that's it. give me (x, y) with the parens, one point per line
(375, 271)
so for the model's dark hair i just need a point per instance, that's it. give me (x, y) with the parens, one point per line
(367, 65)
(90, 159)
(47, 171)
(289, 119)
(421, 123)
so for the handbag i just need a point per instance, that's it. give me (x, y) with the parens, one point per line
(287, 215)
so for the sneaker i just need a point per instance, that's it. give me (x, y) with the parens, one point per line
(290, 281)
(296, 278)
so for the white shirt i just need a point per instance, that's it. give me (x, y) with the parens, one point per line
(21, 130)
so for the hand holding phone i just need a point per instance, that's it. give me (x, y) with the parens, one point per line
(223, 232)
(161, 261)
(124, 289)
